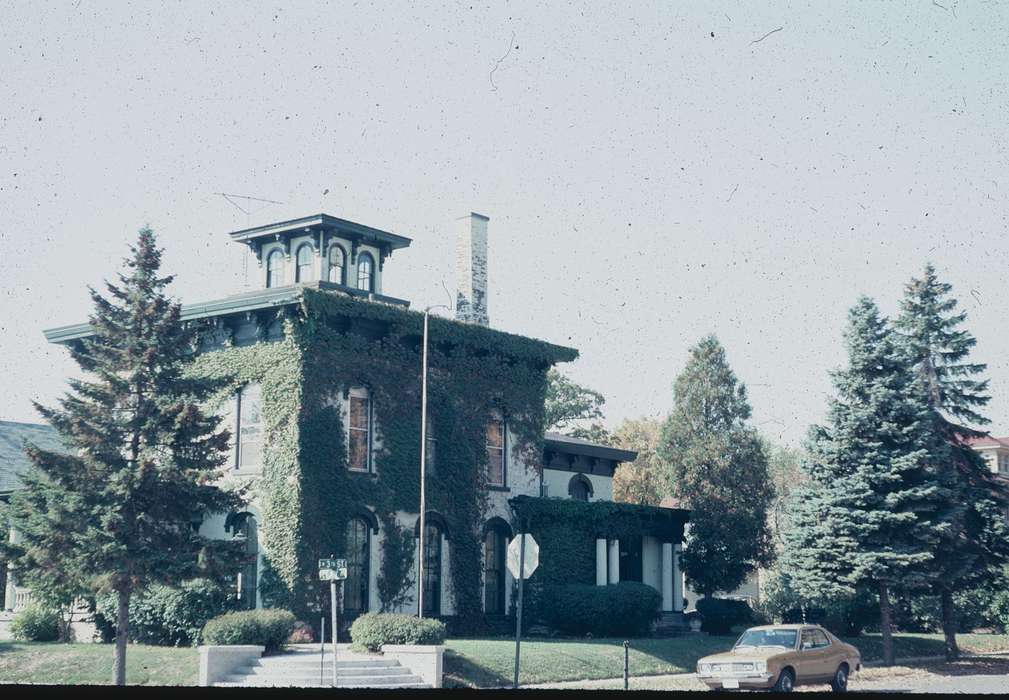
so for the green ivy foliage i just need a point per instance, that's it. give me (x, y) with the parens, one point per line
(306, 493)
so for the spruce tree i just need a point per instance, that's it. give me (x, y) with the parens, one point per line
(876, 505)
(121, 508)
(717, 466)
(977, 542)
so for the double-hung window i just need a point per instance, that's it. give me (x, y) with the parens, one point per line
(359, 431)
(496, 452)
(249, 422)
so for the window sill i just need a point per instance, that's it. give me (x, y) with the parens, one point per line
(497, 488)
(362, 472)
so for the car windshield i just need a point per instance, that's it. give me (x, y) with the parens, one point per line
(768, 638)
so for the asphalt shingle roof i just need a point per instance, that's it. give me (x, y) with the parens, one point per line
(13, 460)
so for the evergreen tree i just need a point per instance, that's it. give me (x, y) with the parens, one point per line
(717, 466)
(977, 544)
(121, 509)
(876, 505)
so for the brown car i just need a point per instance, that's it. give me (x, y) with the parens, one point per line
(781, 657)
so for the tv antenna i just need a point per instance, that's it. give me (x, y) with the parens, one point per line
(249, 209)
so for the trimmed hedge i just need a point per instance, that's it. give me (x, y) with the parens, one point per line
(619, 609)
(171, 616)
(35, 623)
(720, 615)
(270, 628)
(371, 630)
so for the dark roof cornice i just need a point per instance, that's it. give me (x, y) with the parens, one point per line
(321, 221)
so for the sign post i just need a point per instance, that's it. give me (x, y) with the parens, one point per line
(523, 558)
(333, 570)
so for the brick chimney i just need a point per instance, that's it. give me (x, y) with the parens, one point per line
(471, 269)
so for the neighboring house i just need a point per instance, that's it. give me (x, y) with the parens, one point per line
(325, 419)
(13, 462)
(995, 452)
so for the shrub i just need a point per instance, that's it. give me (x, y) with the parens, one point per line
(35, 623)
(171, 616)
(620, 609)
(270, 628)
(998, 611)
(301, 634)
(371, 630)
(720, 615)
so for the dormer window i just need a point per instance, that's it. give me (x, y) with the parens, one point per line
(365, 272)
(303, 271)
(275, 269)
(337, 261)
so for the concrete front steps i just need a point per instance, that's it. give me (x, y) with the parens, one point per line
(302, 669)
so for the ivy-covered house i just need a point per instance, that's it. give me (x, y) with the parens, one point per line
(325, 409)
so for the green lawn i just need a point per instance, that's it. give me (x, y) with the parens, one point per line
(483, 663)
(91, 664)
(488, 663)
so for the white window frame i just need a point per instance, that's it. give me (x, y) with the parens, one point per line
(361, 393)
(497, 417)
(238, 429)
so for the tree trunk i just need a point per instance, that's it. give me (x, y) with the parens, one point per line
(884, 624)
(122, 632)
(949, 625)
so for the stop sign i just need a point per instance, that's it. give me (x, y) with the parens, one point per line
(531, 560)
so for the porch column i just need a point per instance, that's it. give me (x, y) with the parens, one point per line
(677, 579)
(9, 592)
(614, 572)
(667, 576)
(600, 562)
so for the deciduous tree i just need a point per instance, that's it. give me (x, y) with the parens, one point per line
(717, 466)
(640, 481)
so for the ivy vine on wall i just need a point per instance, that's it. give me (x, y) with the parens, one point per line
(306, 493)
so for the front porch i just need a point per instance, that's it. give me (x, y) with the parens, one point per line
(603, 542)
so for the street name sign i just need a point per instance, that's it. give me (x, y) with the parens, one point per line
(332, 569)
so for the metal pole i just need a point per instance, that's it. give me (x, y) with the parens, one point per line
(627, 645)
(518, 616)
(322, 649)
(332, 597)
(423, 472)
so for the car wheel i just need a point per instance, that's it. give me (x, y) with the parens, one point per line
(785, 682)
(840, 682)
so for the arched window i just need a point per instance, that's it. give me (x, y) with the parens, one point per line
(275, 269)
(432, 569)
(355, 590)
(303, 271)
(366, 272)
(495, 551)
(246, 530)
(580, 488)
(336, 262)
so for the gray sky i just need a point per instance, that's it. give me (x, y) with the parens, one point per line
(653, 171)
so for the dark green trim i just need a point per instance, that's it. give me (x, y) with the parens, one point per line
(239, 303)
(555, 442)
(332, 224)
